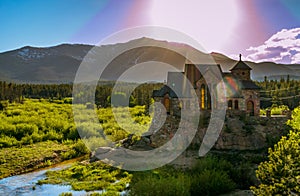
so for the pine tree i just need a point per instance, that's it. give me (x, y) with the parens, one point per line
(280, 175)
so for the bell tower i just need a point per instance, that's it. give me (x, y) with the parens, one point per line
(241, 70)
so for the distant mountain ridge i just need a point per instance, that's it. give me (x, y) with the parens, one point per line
(58, 64)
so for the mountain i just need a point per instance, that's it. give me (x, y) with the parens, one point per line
(56, 64)
(59, 64)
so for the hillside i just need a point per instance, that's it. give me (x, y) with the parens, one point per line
(58, 64)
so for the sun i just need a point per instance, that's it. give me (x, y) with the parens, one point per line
(211, 22)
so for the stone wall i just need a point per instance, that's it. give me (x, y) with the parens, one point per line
(238, 133)
(252, 95)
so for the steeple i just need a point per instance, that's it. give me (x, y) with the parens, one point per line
(241, 70)
(240, 65)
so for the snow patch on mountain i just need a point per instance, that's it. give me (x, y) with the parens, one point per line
(29, 54)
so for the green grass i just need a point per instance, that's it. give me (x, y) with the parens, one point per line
(210, 176)
(40, 120)
(15, 160)
(275, 110)
(89, 177)
(32, 133)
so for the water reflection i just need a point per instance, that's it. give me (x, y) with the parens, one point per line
(25, 184)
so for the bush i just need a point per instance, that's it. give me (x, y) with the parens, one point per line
(7, 129)
(211, 182)
(26, 140)
(52, 135)
(3, 104)
(71, 133)
(262, 112)
(6, 141)
(278, 110)
(161, 185)
(295, 121)
(24, 129)
(80, 148)
(212, 163)
(244, 175)
(37, 136)
(210, 176)
(69, 154)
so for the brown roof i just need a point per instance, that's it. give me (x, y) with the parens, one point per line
(175, 86)
(248, 84)
(241, 65)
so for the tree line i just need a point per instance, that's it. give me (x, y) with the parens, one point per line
(279, 92)
(273, 92)
(13, 92)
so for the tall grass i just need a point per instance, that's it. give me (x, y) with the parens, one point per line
(210, 176)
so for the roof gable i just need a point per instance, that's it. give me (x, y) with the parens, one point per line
(241, 65)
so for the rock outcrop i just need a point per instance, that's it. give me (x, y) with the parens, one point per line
(238, 133)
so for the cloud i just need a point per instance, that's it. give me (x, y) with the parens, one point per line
(282, 47)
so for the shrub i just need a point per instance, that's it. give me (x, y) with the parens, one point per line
(68, 100)
(80, 148)
(212, 163)
(6, 141)
(3, 104)
(244, 175)
(71, 133)
(16, 112)
(7, 129)
(211, 182)
(52, 135)
(210, 176)
(37, 136)
(295, 121)
(26, 140)
(161, 185)
(277, 110)
(262, 112)
(69, 154)
(24, 129)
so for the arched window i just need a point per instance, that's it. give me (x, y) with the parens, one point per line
(167, 103)
(236, 104)
(208, 100)
(230, 104)
(250, 108)
(202, 101)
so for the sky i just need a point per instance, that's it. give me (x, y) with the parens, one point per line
(261, 30)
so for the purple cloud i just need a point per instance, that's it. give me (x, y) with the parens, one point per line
(282, 47)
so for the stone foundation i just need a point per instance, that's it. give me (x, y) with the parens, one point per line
(238, 133)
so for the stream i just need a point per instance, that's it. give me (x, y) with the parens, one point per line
(22, 185)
